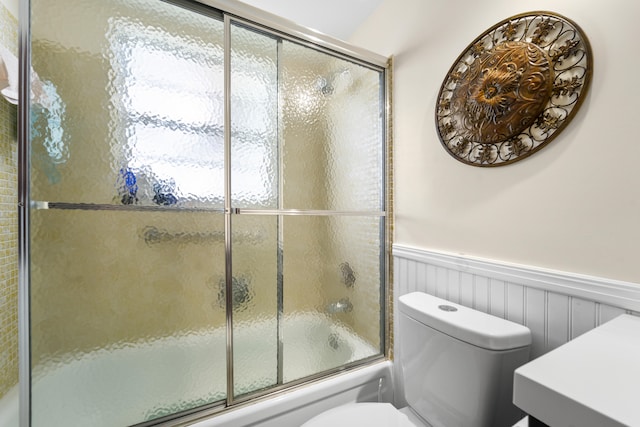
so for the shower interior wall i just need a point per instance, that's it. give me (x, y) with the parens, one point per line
(8, 219)
(94, 302)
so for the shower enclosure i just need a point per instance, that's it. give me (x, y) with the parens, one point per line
(203, 209)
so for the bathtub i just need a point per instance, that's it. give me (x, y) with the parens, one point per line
(190, 368)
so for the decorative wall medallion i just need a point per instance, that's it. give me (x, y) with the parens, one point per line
(513, 89)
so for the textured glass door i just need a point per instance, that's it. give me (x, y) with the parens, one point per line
(332, 210)
(127, 223)
(206, 214)
(308, 131)
(254, 178)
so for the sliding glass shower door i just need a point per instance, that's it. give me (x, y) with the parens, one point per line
(206, 211)
(317, 120)
(306, 164)
(127, 222)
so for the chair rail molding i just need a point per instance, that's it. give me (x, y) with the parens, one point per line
(621, 294)
(556, 306)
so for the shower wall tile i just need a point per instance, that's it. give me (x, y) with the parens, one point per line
(555, 306)
(8, 222)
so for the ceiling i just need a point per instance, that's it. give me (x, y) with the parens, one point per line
(337, 18)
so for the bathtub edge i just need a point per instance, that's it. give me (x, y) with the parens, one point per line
(293, 408)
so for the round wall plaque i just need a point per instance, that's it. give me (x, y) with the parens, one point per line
(513, 89)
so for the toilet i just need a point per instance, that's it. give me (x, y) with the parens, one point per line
(456, 368)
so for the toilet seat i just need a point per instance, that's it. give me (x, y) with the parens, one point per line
(362, 414)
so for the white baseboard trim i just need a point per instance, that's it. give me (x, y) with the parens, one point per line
(617, 293)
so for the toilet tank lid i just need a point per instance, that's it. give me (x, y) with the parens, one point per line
(464, 323)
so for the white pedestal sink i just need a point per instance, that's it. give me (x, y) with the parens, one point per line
(591, 381)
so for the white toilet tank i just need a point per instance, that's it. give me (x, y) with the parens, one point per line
(457, 363)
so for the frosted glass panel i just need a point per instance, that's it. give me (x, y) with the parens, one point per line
(128, 315)
(254, 119)
(332, 283)
(128, 256)
(332, 132)
(255, 303)
(131, 92)
(128, 310)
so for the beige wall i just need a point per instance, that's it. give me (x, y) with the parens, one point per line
(574, 205)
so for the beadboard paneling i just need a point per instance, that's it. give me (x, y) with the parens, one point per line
(556, 306)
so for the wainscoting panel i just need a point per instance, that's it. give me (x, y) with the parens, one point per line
(556, 306)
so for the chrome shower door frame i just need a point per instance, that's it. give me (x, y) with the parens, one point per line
(253, 18)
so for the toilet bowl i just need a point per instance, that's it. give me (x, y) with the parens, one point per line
(456, 367)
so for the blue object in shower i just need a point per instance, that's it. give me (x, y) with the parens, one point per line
(129, 187)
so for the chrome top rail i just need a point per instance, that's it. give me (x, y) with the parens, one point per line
(285, 26)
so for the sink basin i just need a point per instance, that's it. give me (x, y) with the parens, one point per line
(591, 381)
